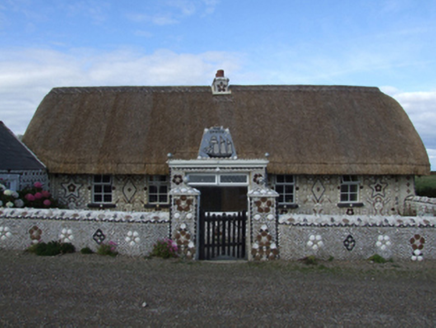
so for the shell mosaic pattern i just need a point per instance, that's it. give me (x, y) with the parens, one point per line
(315, 242)
(264, 248)
(184, 243)
(417, 242)
(383, 242)
(66, 236)
(132, 238)
(357, 221)
(84, 215)
(5, 233)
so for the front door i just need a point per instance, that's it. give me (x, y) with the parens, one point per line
(222, 223)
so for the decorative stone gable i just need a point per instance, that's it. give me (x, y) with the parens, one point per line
(220, 85)
(217, 143)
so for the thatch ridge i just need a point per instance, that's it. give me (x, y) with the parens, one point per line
(306, 129)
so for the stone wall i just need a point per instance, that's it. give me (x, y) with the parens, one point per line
(134, 233)
(357, 237)
(423, 206)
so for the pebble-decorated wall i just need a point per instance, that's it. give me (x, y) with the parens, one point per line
(134, 233)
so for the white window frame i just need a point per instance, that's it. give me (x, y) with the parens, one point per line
(10, 181)
(106, 188)
(282, 195)
(151, 182)
(217, 181)
(347, 184)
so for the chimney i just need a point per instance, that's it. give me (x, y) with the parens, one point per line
(220, 85)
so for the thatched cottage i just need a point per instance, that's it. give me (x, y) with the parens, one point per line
(323, 149)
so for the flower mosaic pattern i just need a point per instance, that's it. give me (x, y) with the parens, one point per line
(349, 243)
(383, 242)
(264, 248)
(183, 240)
(263, 205)
(99, 236)
(177, 179)
(66, 236)
(184, 204)
(315, 242)
(417, 242)
(5, 233)
(132, 238)
(35, 234)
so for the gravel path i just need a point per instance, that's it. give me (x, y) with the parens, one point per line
(78, 290)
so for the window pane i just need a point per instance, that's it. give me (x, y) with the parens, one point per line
(344, 188)
(280, 178)
(289, 199)
(163, 198)
(232, 178)
(202, 178)
(107, 198)
(353, 197)
(344, 197)
(280, 189)
(162, 178)
(106, 178)
(289, 189)
(163, 189)
(353, 188)
(107, 189)
(97, 198)
(98, 188)
(97, 178)
(152, 198)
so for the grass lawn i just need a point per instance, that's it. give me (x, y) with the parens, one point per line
(426, 185)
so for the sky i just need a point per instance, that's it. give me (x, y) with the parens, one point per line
(383, 43)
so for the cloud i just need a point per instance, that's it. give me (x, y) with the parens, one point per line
(421, 108)
(29, 74)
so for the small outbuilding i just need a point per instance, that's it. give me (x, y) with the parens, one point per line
(19, 167)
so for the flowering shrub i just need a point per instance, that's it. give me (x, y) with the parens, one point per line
(165, 248)
(28, 197)
(108, 249)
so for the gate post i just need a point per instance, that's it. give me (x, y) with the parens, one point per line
(183, 219)
(263, 231)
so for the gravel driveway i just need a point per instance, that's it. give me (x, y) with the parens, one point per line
(78, 290)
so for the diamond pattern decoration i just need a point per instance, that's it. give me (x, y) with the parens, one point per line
(129, 190)
(99, 236)
(318, 190)
(349, 243)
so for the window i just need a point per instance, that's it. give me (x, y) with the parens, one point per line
(158, 186)
(102, 189)
(350, 188)
(220, 179)
(285, 187)
(10, 181)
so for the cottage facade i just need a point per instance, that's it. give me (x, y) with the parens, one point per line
(271, 151)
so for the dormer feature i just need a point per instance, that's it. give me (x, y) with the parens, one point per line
(220, 85)
(217, 143)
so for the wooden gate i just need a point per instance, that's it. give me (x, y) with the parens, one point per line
(222, 236)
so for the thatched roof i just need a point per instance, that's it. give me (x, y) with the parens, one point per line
(305, 129)
(14, 155)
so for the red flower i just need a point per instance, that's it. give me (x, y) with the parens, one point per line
(37, 185)
(47, 203)
(45, 194)
(30, 197)
(38, 195)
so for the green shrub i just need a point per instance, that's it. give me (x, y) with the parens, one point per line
(377, 259)
(51, 248)
(165, 248)
(310, 260)
(107, 249)
(86, 250)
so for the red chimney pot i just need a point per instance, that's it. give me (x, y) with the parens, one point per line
(219, 73)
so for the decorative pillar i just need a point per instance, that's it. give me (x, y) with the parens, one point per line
(263, 224)
(183, 221)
